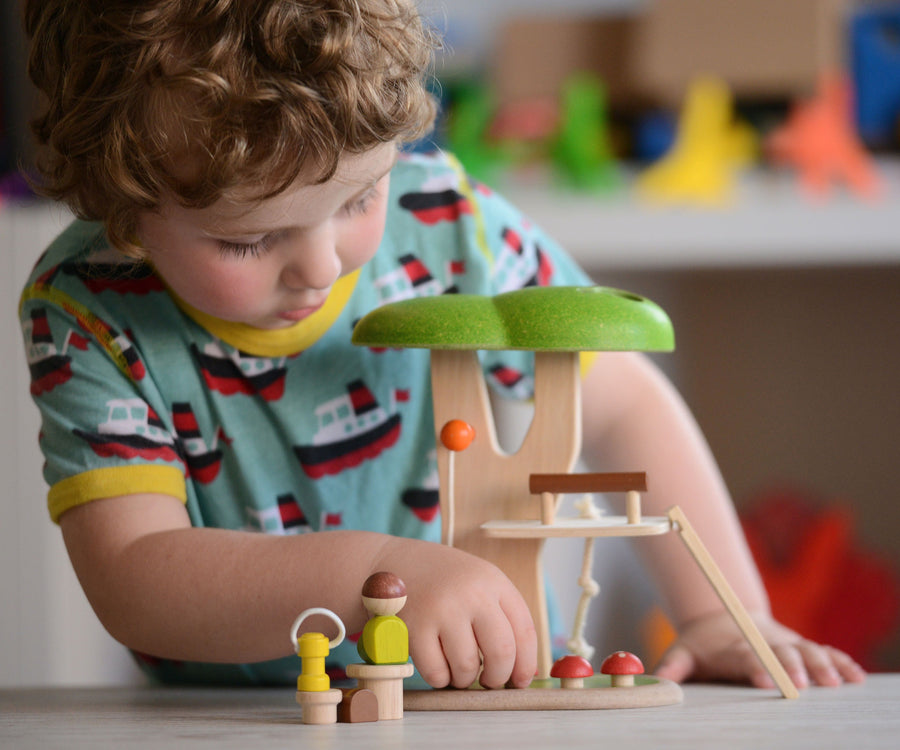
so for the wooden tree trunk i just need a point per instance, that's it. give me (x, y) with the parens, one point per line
(491, 485)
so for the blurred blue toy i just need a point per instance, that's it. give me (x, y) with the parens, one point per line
(875, 51)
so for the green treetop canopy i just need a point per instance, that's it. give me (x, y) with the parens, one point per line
(535, 319)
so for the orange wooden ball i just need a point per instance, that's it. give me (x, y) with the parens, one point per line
(456, 435)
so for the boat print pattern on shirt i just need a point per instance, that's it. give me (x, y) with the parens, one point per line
(414, 279)
(286, 518)
(203, 461)
(352, 428)
(235, 372)
(48, 365)
(521, 263)
(134, 430)
(424, 500)
(119, 278)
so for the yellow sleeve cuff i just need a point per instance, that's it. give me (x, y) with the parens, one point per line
(114, 482)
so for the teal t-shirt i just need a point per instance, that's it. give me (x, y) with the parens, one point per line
(285, 431)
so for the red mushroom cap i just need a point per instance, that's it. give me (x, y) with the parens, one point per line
(571, 666)
(621, 662)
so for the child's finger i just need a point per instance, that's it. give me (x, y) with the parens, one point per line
(848, 669)
(792, 659)
(498, 650)
(829, 666)
(677, 664)
(819, 664)
(524, 634)
(428, 656)
(461, 652)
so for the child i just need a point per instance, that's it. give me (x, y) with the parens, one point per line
(235, 166)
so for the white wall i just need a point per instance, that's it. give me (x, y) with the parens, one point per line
(469, 25)
(48, 633)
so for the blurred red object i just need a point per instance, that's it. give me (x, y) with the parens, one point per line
(821, 581)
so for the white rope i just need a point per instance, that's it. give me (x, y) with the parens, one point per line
(589, 587)
(450, 521)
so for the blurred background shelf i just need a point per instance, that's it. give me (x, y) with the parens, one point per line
(769, 222)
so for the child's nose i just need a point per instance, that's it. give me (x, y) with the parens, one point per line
(313, 262)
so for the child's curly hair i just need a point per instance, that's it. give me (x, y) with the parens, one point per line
(199, 98)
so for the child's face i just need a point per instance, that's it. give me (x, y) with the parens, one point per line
(271, 263)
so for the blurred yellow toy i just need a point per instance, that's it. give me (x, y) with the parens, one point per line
(709, 147)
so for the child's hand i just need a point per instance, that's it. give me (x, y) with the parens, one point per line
(712, 648)
(464, 617)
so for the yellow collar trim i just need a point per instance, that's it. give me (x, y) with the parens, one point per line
(277, 342)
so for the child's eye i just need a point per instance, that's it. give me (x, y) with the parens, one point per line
(243, 249)
(362, 204)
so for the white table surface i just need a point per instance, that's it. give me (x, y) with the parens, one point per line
(853, 717)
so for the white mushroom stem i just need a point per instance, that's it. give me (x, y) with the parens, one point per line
(590, 588)
(569, 683)
(621, 680)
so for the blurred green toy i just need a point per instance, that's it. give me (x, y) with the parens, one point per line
(468, 122)
(581, 150)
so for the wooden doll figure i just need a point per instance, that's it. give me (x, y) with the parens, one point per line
(385, 639)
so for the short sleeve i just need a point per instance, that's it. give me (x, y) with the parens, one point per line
(99, 435)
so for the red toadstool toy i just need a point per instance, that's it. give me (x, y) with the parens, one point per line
(621, 667)
(571, 671)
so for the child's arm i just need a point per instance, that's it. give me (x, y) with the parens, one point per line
(166, 589)
(635, 421)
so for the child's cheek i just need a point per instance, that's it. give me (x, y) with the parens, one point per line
(363, 242)
(229, 292)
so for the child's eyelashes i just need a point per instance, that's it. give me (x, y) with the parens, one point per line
(244, 249)
(361, 204)
(240, 250)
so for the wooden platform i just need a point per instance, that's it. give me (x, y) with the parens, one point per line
(577, 527)
(597, 694)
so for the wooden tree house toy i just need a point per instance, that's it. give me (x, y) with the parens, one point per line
(487, 497)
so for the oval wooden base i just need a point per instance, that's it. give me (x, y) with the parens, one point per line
(546, 695)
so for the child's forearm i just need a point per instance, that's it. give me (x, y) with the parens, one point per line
(166, 589)
(244, 590)
(217, 595)
(635, 421)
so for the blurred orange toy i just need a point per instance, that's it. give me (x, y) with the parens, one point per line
(820, 141)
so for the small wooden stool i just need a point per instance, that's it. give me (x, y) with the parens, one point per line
(319, 706)
(386, 681)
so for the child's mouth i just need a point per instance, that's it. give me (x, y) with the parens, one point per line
(300, 313)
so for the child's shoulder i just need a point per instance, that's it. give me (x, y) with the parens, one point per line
(80, 264)
(81, 242)
(437, 182)
(417, 169)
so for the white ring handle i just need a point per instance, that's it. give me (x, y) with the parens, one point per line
(334, 642)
